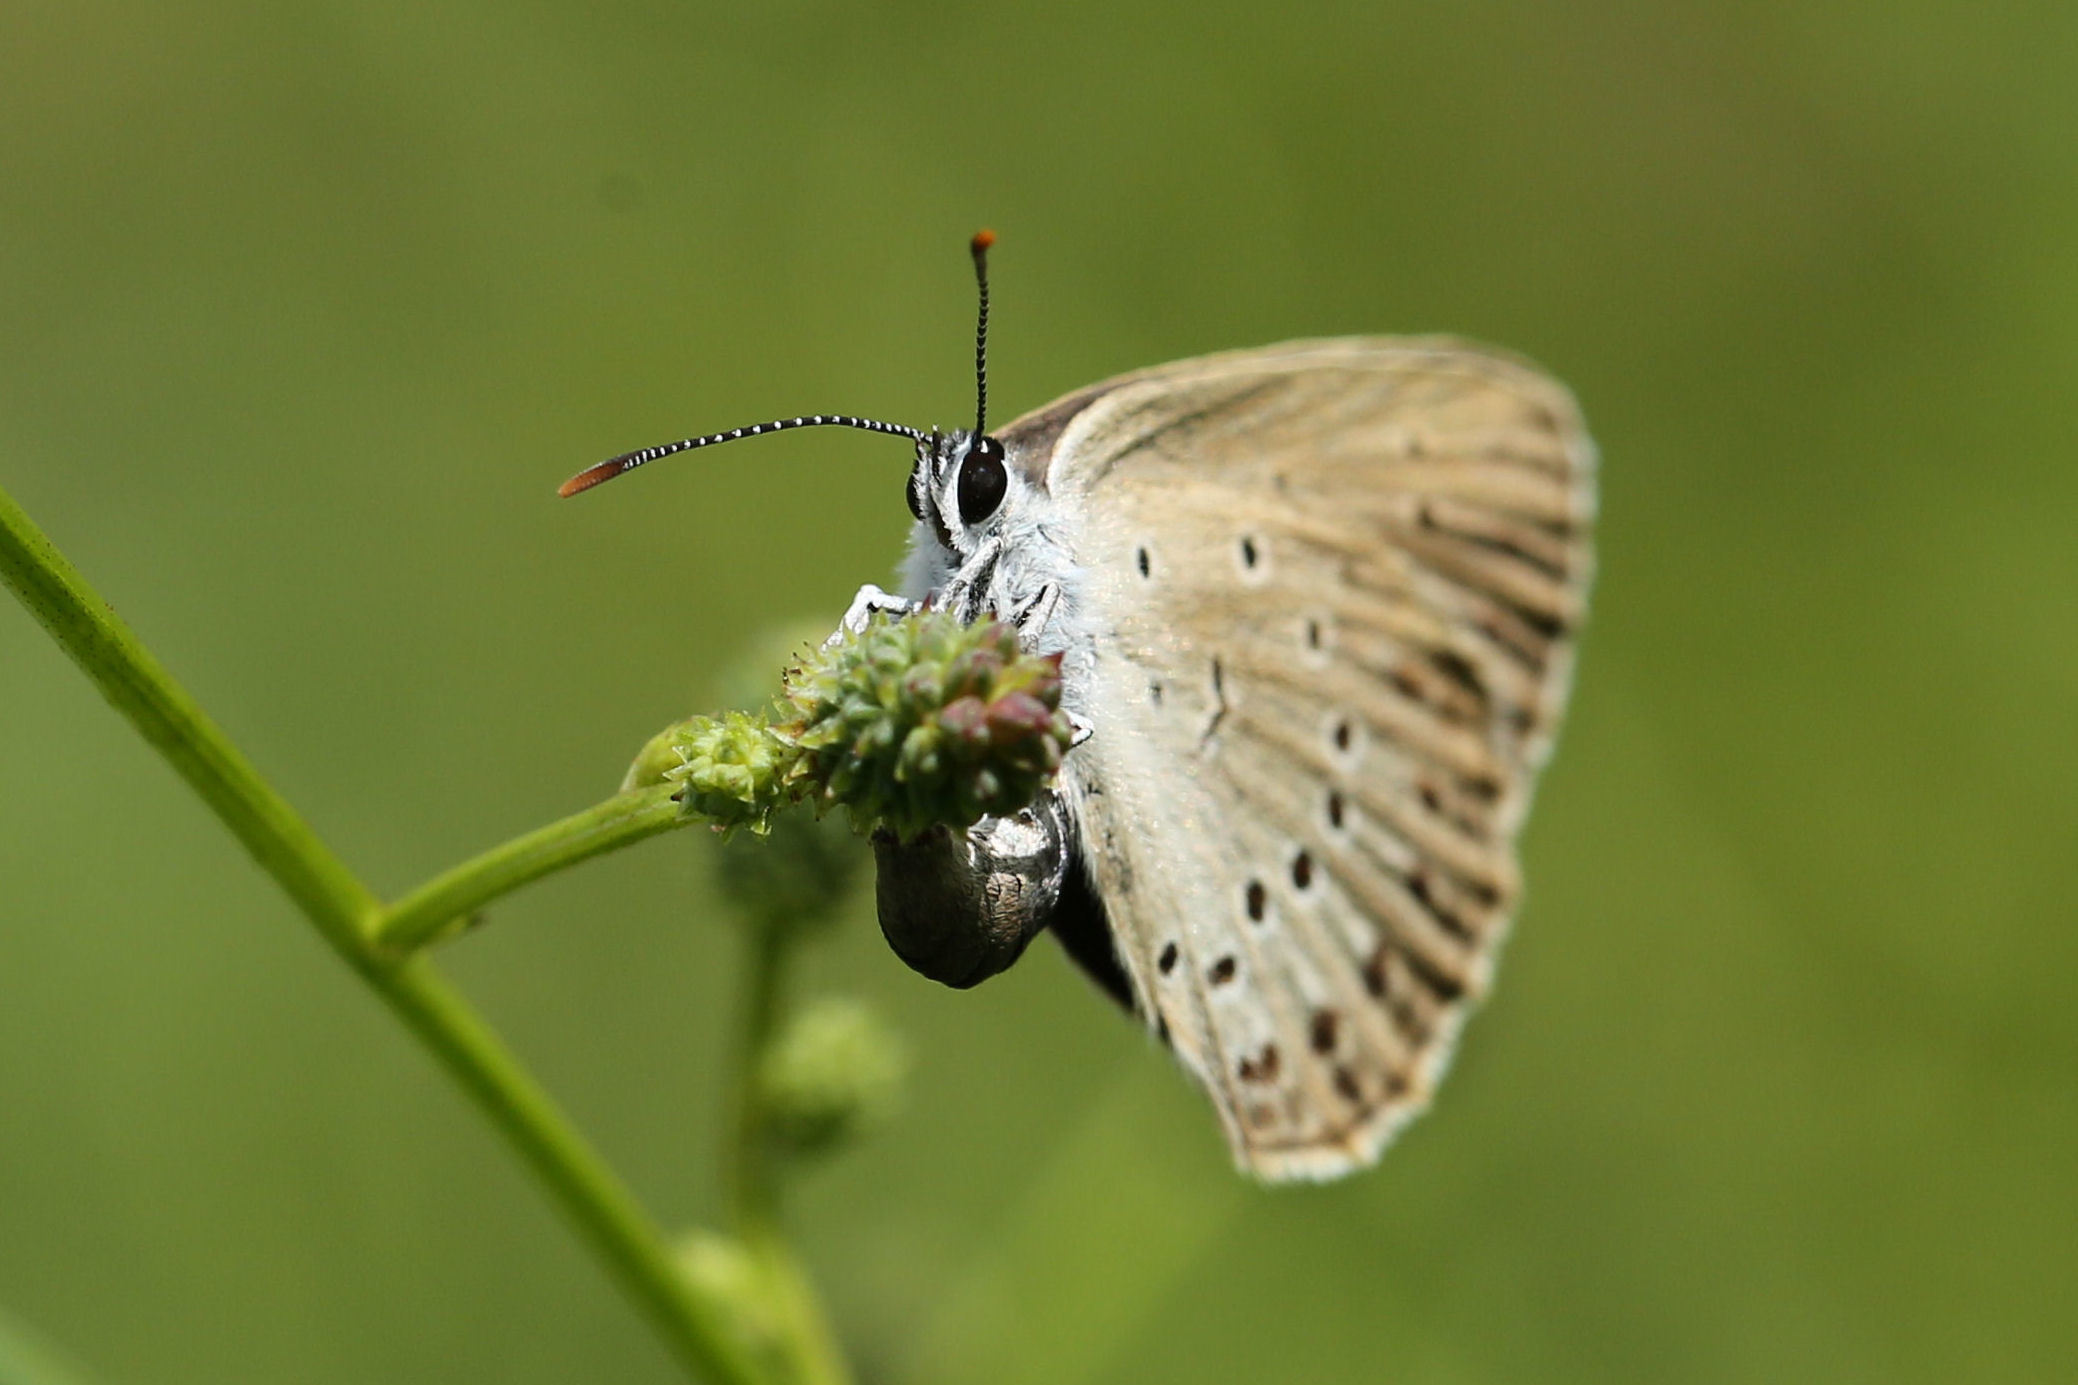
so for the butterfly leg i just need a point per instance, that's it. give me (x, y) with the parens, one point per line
(1031, 615)
(966, 594)
(870, 600)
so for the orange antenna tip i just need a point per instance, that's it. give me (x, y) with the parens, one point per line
(983, 239)
(589, 477)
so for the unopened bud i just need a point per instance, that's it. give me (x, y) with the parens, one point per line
(835, 1071)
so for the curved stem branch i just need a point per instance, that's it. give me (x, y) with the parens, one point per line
(444, 903)
(88, 629)
(590, 1194)
(346, 914)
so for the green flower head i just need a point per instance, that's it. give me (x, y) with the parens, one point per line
(915, 722)
(921, 720)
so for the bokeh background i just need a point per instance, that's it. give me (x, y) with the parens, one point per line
(304, 310)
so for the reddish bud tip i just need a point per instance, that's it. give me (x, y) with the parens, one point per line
(1021, 711)
(966, 718)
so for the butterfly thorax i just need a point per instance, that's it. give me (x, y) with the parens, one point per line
(989, 543)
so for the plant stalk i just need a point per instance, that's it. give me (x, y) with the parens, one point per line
(87, 628)
(348, 916)
(753, 1200)
(590, 1194)
(812, 1355)
(443, 905)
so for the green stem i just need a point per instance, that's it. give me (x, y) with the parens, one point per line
(346, 912)
(753, 1203)
(87, 628)
(604, 1212)
(810, 1347)
(813, 1354)
(27, 1359)
(443, 903)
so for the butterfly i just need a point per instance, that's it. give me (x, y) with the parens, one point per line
(1316, 607)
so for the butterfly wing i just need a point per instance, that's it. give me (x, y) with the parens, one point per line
(1327, 594)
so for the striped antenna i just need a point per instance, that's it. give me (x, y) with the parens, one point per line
(978, 247)
(628, 461)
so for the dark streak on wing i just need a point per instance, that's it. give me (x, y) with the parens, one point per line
(1224, 404)
(1029, 441)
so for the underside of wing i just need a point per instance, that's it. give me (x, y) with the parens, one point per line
(1328, 592)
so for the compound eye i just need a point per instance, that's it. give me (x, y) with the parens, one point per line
(983, 481)
(910, 493)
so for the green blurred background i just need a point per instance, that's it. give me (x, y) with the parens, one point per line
(305, 310)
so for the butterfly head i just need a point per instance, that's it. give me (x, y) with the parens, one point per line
(961, 489)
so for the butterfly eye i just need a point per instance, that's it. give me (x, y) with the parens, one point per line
(913, 493)
(982, 481)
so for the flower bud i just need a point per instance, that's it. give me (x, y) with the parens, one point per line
(833, 1072)
(732, 769)
(726, 1272)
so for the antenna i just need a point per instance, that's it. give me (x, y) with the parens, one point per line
(619, 466)
(628, 461)
(978, 247)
